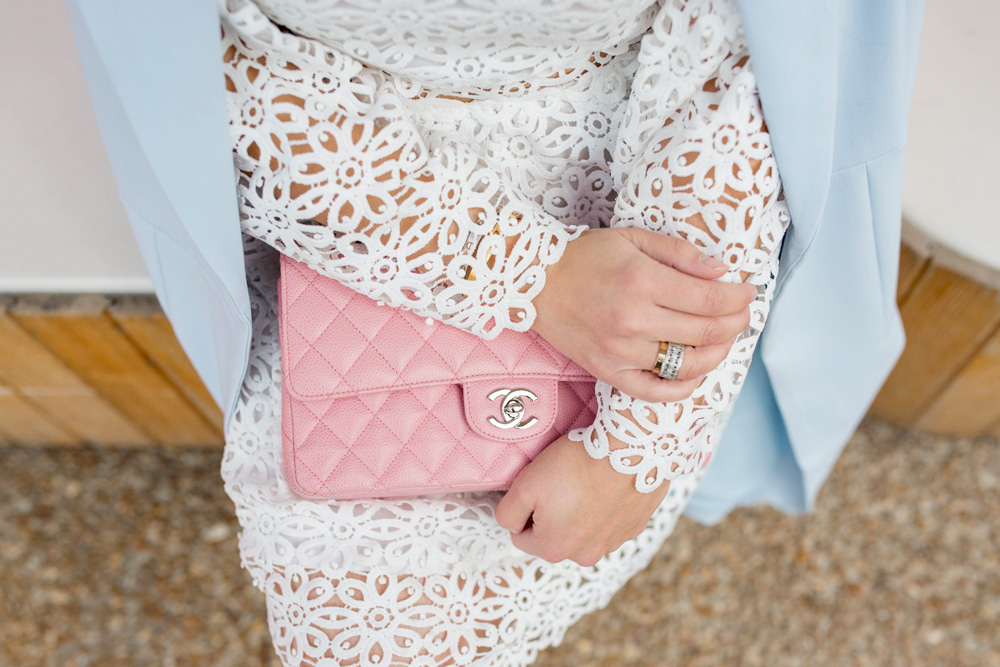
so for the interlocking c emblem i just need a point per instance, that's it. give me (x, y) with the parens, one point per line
(512, 408)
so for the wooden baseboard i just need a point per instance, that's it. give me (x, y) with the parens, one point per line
(948, 377)
(78, 369)
(94, 369)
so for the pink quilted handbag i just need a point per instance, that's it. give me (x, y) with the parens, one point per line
(376, 402)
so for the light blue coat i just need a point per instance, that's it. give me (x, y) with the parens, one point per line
(835, 80)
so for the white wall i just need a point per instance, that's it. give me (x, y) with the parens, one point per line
(63, 228)
(951, 186)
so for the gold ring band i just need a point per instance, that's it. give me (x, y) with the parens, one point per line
(669, 360)
(660, 357)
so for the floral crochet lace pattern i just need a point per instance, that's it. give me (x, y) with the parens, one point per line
(693, 160)
(335, 173)
(577, 113)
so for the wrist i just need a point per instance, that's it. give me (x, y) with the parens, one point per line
(645, 469)
(552, 278)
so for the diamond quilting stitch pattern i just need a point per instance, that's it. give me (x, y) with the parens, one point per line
(377, 402)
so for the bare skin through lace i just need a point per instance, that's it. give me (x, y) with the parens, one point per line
(665, 132)
(390, 210)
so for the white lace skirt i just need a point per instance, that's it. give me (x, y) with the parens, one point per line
(419, 581)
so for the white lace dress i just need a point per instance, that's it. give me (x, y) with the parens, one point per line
(373, 139)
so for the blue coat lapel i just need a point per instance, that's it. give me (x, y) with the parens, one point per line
(165, 61)
(793, 51)
(835, 81)
(154, 72)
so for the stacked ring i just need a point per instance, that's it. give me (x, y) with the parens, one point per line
(668, 360)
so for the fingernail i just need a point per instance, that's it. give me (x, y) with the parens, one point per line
(712, 262)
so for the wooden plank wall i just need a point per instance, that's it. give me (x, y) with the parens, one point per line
(90, 369)
(948, 377)
(108, 370)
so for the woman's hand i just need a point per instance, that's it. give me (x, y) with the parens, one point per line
(579, 507)
(617, 292)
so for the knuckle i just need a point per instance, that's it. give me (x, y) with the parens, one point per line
(710, 332)
(633, 281)
(515, 494)
(553, 553)
(691, 368)
(503, 520)
(588, 559)
(629, 323)
(676, 250)
(712, 298)
(502, 514)
(606, 347)
(631, 234)
(684, 249)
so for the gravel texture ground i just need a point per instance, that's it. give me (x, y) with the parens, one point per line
(128, 557)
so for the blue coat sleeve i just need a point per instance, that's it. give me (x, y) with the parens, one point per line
(835, 82)
(172, 163)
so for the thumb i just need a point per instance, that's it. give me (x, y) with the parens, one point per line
(676, 253)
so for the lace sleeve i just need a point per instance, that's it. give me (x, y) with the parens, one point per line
(693, 160)
(334, 173)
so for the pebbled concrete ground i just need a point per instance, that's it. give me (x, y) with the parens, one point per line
(128, 557)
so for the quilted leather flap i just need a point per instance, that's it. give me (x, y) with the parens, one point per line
(330, 348)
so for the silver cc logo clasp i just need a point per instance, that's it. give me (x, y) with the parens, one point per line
(512, 408)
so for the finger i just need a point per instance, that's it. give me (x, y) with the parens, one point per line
(645, 386)
(697, 330)
(697, 361)
(514, 509)
(590, 558)
(676, 253)
(688, 294)
(530, 542)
